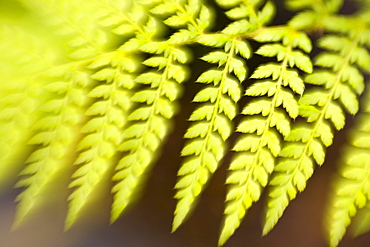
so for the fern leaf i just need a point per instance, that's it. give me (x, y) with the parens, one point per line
(110, 112)
(213, 121)
(16, 119)
(149, 123)
(20, 94)
(56, 137)
(104, 135)
(318, 106)
(101, 81)
(352, 191)
(349, 197)
(261, 143)
(211, 130)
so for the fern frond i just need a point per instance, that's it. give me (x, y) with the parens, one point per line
(149, 122)
(260, 142)
(350, 196)
(20, 96)
(213, 119)
(164, 90)
(104, 135)
(16, 117)
(352, 191)
(56, 134)
(160, 99)
(101, 80)
(212, 125)
(323, 107)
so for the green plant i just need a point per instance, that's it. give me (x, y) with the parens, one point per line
(104, 86)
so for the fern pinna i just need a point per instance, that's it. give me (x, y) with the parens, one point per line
(98, 88)
(352, 190)
(260, 142)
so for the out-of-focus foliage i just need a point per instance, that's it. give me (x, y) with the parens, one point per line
(91, 87)
(353, 188)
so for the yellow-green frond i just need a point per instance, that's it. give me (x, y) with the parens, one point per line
(92, 87)
(260, 142)
(103, 131)
(149, 123)
(338, 84)
(352, 191)
(210, 131)
(56, 135)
